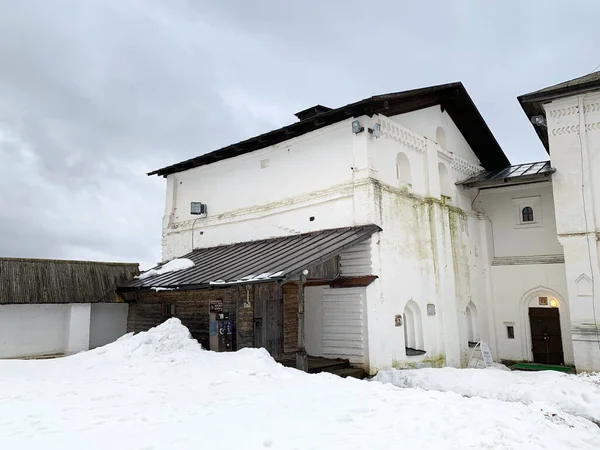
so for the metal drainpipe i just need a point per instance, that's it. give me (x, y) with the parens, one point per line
(301, 355)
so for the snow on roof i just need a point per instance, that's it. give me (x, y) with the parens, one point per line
(172, 266)
(248, 279)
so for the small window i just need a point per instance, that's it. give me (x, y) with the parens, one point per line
(403, 173)
(510, 331)
(167, 310)
(527, 214)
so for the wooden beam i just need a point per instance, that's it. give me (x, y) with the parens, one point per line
(340, 282)
(301, 355)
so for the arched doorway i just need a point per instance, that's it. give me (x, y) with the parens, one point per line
(545, 322)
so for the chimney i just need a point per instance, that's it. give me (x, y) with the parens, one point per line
(311, 112)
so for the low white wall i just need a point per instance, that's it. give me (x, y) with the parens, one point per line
(78, 335)
(35, 330)
(29, 330)
(108, 322)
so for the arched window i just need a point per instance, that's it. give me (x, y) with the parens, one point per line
(413, 330)
(403, 169)
(527, 214)
(445, 185)
(440, 137)
(472, 331)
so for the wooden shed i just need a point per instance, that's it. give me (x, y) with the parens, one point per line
(257, 284)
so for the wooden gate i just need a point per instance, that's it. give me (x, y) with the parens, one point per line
(268, 313)
(546, 336)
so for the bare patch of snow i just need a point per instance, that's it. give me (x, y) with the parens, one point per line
(174, 265)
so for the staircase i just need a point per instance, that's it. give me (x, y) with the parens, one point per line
(316, 364)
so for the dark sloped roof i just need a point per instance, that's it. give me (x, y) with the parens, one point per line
(519, 174)
(257, 261)
(532, 103)
(452, 97)
(61, 281)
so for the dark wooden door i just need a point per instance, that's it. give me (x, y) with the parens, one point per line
(546, 336)
(268, 314)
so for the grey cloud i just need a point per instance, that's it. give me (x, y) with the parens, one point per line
(93, 94)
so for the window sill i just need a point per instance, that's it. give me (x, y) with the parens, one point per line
(528, 225)
(414, 352)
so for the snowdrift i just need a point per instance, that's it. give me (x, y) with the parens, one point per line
(161, 390)
(579, 396)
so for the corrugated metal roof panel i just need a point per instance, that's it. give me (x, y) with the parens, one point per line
(257, 261)
(510, 175)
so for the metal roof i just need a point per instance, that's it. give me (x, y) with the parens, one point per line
(261, 261)
(533, 102)
(452, 97)
(519, 174)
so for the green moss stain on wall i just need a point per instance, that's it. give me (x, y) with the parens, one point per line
(436, 360)
(460, 253)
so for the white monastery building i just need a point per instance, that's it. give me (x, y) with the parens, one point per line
(459, 245)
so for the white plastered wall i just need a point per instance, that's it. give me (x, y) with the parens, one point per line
(35, 330)
(573, 125)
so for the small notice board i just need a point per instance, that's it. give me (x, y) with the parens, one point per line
(481, 356)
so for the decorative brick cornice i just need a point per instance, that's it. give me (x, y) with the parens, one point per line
(396, 132)
(592, 107)
(465, 167)
(592, 126)
(568, 129)
(562, 112)
(574, 129)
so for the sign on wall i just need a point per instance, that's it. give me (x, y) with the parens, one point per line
(398, 320)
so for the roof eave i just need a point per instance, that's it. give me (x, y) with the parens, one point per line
(533, 102)
(511, 181)
(453, 97)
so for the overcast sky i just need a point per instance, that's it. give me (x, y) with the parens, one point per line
(94, 94)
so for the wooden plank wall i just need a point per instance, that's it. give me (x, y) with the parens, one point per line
(290, 318)
(33, 281)
(192, 308)
(268, 308)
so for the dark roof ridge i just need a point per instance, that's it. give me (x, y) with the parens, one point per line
(452, 97)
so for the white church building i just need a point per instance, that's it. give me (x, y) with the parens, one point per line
(465, 247)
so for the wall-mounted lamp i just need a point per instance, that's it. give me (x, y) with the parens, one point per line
(376, 130)
(540, 121)
(356, 128)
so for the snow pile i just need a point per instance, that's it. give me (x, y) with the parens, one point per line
(249, 278)
(167, 339)
(174, 265)
(572, 394)
(160, 390)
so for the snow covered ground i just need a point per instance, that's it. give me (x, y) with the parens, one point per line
(576, 395)
(160, 390)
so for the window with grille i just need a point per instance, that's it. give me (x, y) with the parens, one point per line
(527, 214)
